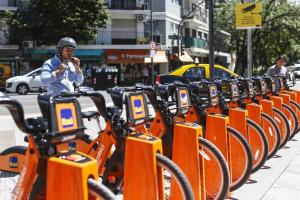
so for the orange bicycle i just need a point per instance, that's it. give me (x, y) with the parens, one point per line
(47, 173)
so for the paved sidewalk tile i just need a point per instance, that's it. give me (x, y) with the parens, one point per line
(280, 180)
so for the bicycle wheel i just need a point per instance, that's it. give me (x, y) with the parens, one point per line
(297, 107)
(99, 191)
(115, 168)
(283, 124)
(175, 171)
(258, 143)
(293, 121)
(241, 158)
(217, 183)
(274, 132)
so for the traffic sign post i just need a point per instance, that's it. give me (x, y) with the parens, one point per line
(248, 16)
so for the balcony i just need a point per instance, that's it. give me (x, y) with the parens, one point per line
(199, 15)
(127, 5)
(121, 37)
(10, 4)
(195, 42)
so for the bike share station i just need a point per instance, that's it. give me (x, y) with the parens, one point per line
(206, 140)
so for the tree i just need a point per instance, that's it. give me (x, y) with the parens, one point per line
(46, 21)
(279, 33)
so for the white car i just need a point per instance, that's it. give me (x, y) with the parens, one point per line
(296, 71)
(30, 82)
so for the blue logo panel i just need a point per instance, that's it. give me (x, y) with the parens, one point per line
(72, 146)
(138, 109)
(67, 120)
(13, 162)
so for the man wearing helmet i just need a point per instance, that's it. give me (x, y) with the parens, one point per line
(60, 72)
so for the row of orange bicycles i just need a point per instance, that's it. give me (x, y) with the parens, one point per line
(200, 140)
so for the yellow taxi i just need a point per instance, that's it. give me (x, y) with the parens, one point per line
(194, 72)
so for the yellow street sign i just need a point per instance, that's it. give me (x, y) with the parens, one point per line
(248, 15)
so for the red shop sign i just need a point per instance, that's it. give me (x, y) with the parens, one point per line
(118, 56)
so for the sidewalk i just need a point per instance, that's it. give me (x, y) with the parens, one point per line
(279, 179)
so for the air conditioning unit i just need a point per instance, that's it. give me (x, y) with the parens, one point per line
(141, 18)
(27, 44)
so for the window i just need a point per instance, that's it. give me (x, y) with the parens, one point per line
(157, 39)
(205, 37)
(174, 28)
(175, 1)
(221, 74)
(37, 73)
(199, 34)
(194, 73)
(194, 33)
(187, 32)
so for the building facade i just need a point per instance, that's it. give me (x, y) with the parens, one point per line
(124, 42)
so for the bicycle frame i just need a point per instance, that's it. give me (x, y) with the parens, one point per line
(43, 165)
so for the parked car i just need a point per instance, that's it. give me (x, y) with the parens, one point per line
(296, 71)
(194, 72)
(30, 82)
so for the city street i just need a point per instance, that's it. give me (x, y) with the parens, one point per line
(30, 104)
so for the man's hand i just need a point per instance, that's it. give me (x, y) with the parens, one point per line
(76, 63)
(60, 68)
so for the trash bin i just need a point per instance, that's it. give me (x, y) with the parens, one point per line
(105, 77)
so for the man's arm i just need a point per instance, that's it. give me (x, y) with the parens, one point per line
(76, 76)
(48, 76)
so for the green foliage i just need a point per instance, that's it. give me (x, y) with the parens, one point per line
(279, 33)
(46, 21)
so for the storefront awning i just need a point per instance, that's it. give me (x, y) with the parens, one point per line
(160, 57)
(185, 57)
(77, 52)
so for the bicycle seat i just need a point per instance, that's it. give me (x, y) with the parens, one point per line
(116, 94)
(14, 149)
(90, 114)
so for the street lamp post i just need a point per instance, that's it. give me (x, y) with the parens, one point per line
(151, 36)
(211, 38)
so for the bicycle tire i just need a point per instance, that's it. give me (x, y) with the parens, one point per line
(99, 191)
(264, 141)
(286, 123)
(161, 160)
(294, 117)
(247, 172)
(298, 108)
(179, 176)
(223, 168)
(277, 133)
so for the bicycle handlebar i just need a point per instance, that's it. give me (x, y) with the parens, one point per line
(17, 112)
(96, 97)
